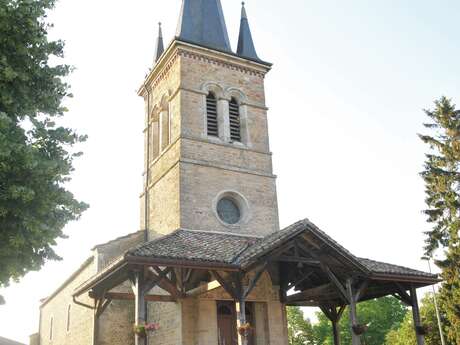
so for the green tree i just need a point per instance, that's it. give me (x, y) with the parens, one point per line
(405, 334)
(442, 188)
(382, 315)
(300, 330)
(35, 151)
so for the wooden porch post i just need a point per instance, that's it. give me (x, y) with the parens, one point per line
(356, 339)
(139, 305)
(242, 319)
(334, 316)
(336, 332)
(416, 316)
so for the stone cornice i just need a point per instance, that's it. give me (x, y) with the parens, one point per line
(186, 50)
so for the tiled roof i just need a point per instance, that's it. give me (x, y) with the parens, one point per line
(202, 22)
(4, 341)
(241, 250)
(192, 245)
(384, 268)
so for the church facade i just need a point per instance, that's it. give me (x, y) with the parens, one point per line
(210, 265)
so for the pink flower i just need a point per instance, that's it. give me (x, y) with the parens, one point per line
(152, 327)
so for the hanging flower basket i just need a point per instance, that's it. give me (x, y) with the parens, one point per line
(360, 329)
(143, 330)
(422, 330)
(245, 330)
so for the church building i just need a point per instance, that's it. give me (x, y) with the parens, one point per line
(210, 264)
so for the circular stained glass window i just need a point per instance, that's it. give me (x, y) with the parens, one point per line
(228, 211)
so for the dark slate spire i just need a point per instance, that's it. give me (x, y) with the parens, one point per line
(159, 47)
(245, 43)
(202, 22)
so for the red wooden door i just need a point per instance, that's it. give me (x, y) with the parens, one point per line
(226, 323)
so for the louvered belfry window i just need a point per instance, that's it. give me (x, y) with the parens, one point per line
(235, 131)
(211, 112)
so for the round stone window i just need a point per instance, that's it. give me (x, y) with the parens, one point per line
(228, 211)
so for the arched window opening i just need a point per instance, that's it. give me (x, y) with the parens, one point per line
(51, 328)
(235, 125)
(154, 128)
(211, 113)
(68, 318)
(165, 128)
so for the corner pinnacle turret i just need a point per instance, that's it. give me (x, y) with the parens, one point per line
(245, 43)
(159, 46)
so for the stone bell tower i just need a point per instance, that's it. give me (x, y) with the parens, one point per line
(208, 164)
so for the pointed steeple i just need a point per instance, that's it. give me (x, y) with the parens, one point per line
(159, 46)
(245, 43)
(202, 22)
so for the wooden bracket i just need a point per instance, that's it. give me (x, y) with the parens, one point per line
(227, 285)
(337, 283)
(403, 295)
(255, 280)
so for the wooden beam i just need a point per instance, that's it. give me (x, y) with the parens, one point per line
(304, 304)
(280, 251)
(416, 316)
(165, 283)
(313, 293)
(296, 259)
(202, 289)
(300, 280)
(103, 306)
(155, 279)
(402, 291)
(227, 285)
(361, 290)
(254, 280)
(310, 242)
(139, 305)
(334, 316)
(148, 298)
(355, 338)
(337, 283)
(326, 311)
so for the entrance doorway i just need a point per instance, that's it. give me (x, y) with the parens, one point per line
(226, 323)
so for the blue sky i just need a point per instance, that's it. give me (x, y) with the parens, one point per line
(349, 82)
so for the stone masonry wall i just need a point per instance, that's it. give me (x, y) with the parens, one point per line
(187, 177)
(56, 309)
(201, 185)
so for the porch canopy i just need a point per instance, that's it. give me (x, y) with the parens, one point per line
(310, 268)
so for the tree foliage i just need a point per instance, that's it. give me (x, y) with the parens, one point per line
(381, 315)
(300, 330)
(442, 188)
(405, 334)
(35, 151)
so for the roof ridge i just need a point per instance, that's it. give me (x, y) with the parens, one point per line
(152, 241)
(117, 239)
